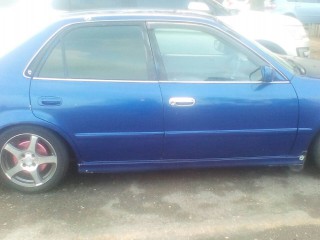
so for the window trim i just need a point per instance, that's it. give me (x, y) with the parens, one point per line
(35, 65)
(30, 69)
(151, 25)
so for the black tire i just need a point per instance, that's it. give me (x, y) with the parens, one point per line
(315, 152)
(32, 159)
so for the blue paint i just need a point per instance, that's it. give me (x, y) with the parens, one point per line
(122, 125)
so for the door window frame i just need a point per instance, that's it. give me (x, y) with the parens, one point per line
(212, 31)
(34, 67)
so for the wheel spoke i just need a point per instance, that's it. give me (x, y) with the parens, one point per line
(33, 143)
(36, 177)
(47, 160)
(13, 171)
(13, 150)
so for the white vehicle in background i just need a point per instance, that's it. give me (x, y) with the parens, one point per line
(239, 5)
(278, 33)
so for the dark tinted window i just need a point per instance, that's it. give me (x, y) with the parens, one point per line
(102, 52)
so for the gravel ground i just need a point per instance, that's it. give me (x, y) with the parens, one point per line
(211, 204)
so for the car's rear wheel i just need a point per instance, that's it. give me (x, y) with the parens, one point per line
(314, 153)
(32, 159)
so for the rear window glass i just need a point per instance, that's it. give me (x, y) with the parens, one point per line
(102, 52)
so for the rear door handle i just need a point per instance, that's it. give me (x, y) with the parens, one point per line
(50, 101)
(182, 101)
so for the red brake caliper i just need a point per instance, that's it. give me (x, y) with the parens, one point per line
(41, 150)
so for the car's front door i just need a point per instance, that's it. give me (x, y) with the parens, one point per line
(98, 85)
(216, 105)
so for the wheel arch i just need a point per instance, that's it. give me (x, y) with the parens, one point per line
(67, 141)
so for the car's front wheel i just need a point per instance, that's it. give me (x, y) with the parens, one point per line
(314, 153)
(32, 159)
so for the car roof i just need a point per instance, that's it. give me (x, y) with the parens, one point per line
(146, 14)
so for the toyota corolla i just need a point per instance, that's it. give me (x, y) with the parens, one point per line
(140, 90)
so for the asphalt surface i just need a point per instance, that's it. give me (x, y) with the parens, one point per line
(237, 203)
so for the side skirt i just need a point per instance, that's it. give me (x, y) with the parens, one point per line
(130, 166)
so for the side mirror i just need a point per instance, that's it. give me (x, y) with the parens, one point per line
(263, 73)
(267, 73)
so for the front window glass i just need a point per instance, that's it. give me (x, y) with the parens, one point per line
(100, 52)
(282, 61)
(194, 55)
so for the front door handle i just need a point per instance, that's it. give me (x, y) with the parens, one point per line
(182, 101)
(49, 101)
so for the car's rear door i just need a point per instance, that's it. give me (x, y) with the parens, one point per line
(96, 82)
(216, 105)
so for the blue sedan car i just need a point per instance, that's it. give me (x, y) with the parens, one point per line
(150, 90)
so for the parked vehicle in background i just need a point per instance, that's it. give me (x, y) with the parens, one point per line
(237, 5)
(135, 90)
(307, 11)
(280, 34)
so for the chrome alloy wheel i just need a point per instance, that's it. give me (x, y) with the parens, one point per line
(28, 160)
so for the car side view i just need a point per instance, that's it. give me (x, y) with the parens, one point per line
(145, 90)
